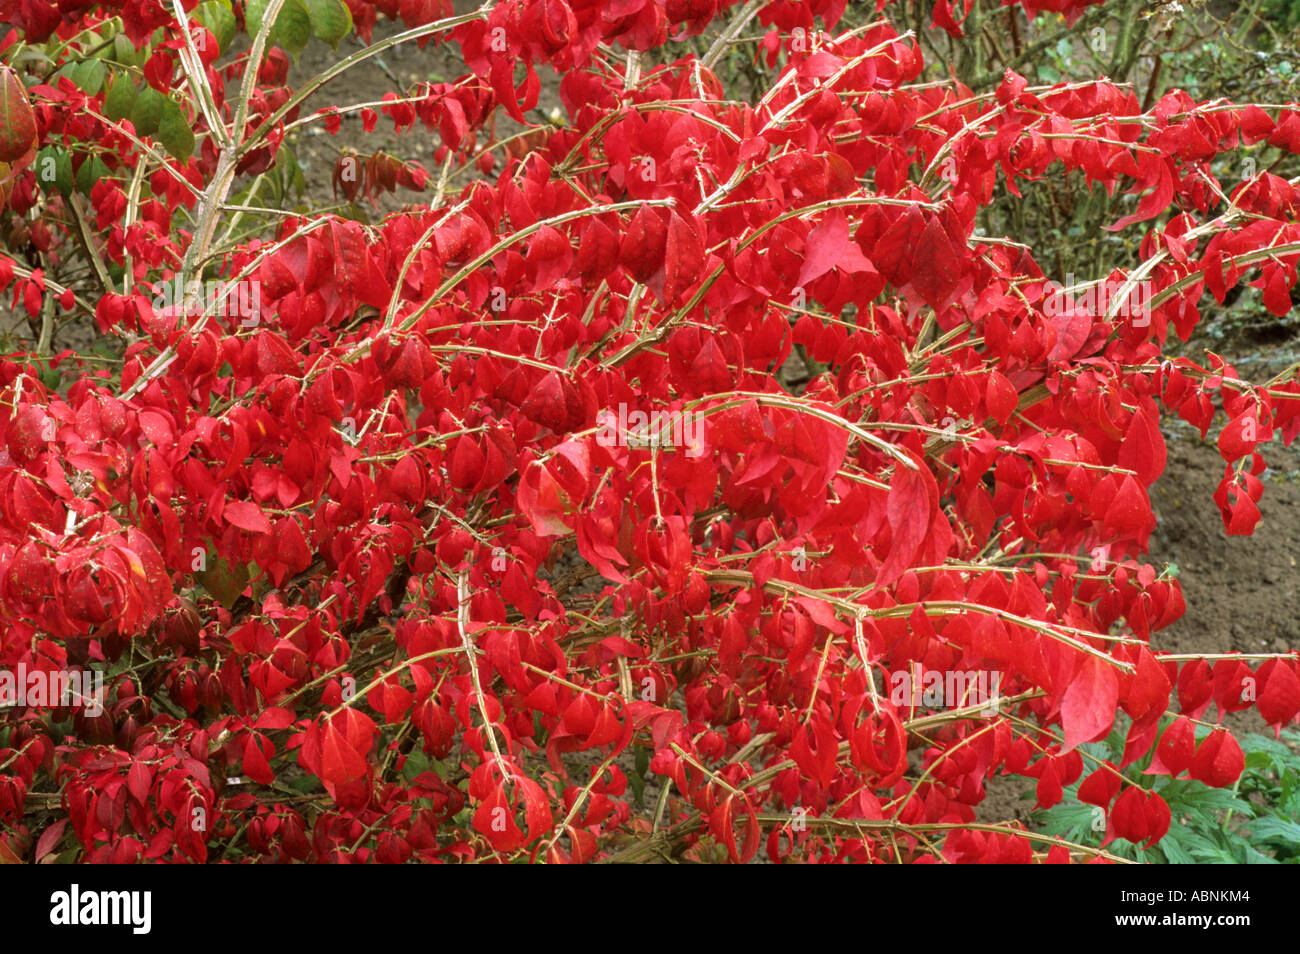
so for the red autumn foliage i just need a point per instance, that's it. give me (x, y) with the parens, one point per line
(372, 575)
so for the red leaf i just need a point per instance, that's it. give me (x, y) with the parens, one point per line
(1279, 696)
(254, 763)
(1158, 818)
(598, 252)
(1154, 171)
(936, 268)
(138, 780)
(1129, 513)
(1101, 786)
(683, 258)
(1242, 435)
(720, 826)
(1147, 690)
(642, 249)
(247, 515)
(1072, 329)
(467, 462)
(824, 247)
(49, 838)
(1219, 760)
(1088, 707)
(17, 121)
(537, 811)
(1277, 292)
(894, 250)
(1141, 735)
(1000, 397)
(549, 255)
(1194, 688)
(911, 500)
(495, 821)
(1138, 815)
(1143, 449)
(1176, 749)
(340, 763)
(276, 718)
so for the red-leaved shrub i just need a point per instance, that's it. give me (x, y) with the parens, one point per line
(487, 532)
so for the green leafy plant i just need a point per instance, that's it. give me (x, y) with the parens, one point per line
(1254, 822)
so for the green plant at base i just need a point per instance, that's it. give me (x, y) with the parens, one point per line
(1255, 822)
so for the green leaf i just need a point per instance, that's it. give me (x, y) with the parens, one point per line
(305, 784)
(54, 169)
(254, 10)
(63, 179)
(355, 213)
(46, 168)
(28, 54)
(1253, 743)
(290, 173)
(293, 27)
(417, 763)
(1253, 857)
(50, 377)
(637, 778)
(1280, 830)
(124, 51)
(174, 132)
(147, 111)
(1207, 850)
(223, 581)
(88, 75)
(121, 97)
(67, 70)
(1072, 820)
(217, 17)
(91, 171)
(331, 20)
(1174, 852)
